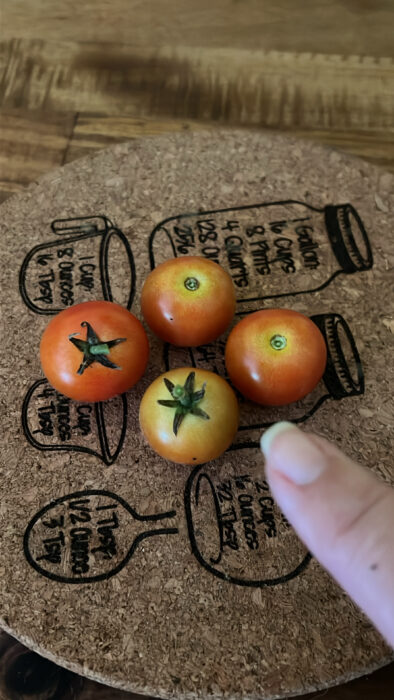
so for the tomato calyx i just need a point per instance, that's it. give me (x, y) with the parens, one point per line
(94, 349)
(184, 400)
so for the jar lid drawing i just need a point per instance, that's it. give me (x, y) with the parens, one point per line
(343, 376)
(51, 421)
(87, 262)
(273, 249)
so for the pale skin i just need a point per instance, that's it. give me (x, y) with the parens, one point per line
(341, 511)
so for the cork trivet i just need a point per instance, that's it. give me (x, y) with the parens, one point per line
(160, 578)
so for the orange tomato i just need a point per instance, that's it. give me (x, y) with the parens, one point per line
(275, 356)
(188, 301)
(94, 351)
(189, 415)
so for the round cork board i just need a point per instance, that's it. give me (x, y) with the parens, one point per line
(160, 578)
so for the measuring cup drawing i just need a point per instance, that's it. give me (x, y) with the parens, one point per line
(273, 249)
(51, 421)
(82, 265)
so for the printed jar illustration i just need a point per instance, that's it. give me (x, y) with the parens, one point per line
(236, 531)
(52, 421)
(273, 249)
(342, 378)
(92, 259)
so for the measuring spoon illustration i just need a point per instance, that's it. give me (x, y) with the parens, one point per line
(84, 264)
(271, 250)
(88, 536)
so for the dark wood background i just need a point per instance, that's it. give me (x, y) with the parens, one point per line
(76, 77)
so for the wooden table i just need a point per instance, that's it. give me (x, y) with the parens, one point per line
(80, 77)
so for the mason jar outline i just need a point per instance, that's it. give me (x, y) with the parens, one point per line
(105, 455)
(106, 236)
(335, 389)
(248, 583)
(332, 376)
(333, 235)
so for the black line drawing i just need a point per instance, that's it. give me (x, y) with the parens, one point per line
(51, 421)
(235, 530)
(76, 268)
(90, 535)
(343, 377)
(271, 250)
(245, 521)
(63, 537)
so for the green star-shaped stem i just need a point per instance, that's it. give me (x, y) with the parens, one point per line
(94, 349)
(184, 400)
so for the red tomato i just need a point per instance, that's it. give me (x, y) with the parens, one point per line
(275, 356)
(94, 351)
(188, 301)
(189, 415)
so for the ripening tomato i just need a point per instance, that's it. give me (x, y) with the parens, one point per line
(275, 356)
(188, 301)
(189, 415)
(94, 351)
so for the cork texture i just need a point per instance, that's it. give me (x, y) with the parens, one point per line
(158, 578)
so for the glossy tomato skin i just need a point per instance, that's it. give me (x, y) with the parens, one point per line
(275, 376)
(198, 440)
(188, 301)
(60, 359)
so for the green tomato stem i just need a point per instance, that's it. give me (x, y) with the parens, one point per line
(93, 349)
(191, 284)
(184, 400)
(100, 349)
(278, 342)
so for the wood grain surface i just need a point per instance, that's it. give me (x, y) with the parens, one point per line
(328, 26)
(92, 74)
(77, 77)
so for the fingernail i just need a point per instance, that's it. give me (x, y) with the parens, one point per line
(295, 455)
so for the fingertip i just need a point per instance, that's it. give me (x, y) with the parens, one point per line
(273, 431)
(293, 454)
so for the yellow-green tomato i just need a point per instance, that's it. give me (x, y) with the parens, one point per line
(189, 415)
